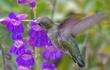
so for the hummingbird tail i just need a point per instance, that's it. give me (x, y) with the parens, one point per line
(79, 62)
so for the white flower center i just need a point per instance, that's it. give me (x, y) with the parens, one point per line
(26, 56)
(23, 68)
(46, 69)
(15, 22)
(18, 43)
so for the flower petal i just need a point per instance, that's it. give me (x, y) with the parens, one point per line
(52, 53)
(12, 15)
(32, 4)
(25, 59)
(19, 28)
(22, 1)
(5, 21)
(48, 66)
(23, 68)
(10, 27)
(16, 36)
(22, 16)
(17, 51)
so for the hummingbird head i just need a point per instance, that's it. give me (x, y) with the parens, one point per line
(45, 22)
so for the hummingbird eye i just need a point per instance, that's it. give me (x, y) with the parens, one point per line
(40, 24)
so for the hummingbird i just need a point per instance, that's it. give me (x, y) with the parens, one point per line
(63, 34)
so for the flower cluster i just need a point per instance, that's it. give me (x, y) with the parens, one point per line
(31, 3)
(37, 38)
(15, 25)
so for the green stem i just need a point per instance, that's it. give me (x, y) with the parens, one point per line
(3, 57)
(32, 14)
(54, 2)
(38, 58)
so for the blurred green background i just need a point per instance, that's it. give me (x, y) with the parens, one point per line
(96, 40)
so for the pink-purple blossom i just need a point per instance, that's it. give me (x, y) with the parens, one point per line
(18, 47)
(14, 22)
(31, 3)
(25, 59)
(48, 66)
(23, 68)
(16, 36)
(52, 53)
(37, 36)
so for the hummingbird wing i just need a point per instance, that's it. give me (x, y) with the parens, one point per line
(74, 27)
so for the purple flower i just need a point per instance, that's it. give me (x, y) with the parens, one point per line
(16, 36)
(48, 66)
(23, 68)
(22, 1)
(31, 3)
(18, 47)
(14, 22)
(37, 36)
(25, 59)
(52, 53)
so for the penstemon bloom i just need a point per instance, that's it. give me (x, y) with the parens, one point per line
(18, 47)
(16, 36)
(31, 3)
(25, 59)
(48, 66)
(52, 53)
(14, 22)
(37, 36)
